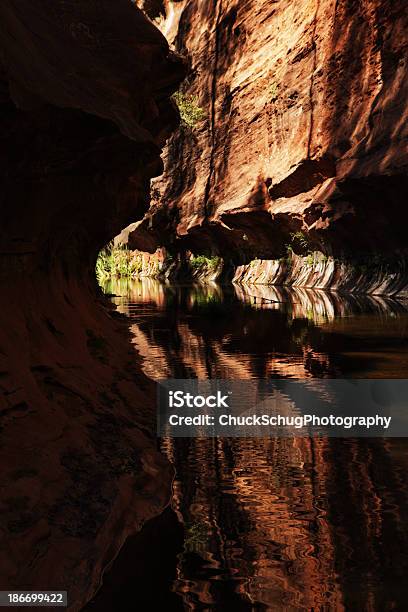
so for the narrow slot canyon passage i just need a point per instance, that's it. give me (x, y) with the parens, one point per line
(210, 191)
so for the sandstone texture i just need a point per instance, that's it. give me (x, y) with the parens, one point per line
(85, 98)
(317, 271)
(305, 130)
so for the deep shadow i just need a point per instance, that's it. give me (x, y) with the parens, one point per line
(141, 576)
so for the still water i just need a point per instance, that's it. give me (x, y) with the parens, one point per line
(280, 524)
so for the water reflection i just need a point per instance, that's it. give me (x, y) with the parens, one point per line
(280, 524)
(210, 331)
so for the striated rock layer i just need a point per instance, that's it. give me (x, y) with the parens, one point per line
(85, 98)
(319, 272)
(305, 131)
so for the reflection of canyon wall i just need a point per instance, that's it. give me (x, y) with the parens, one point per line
(180, 332)
(305, 130)
(84, 94)
(297, 523)
(293, 524)
(272, 495)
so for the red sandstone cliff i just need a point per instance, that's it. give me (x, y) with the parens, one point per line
(305, 129)
(84, 94)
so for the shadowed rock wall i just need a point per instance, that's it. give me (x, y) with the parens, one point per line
(85, 110)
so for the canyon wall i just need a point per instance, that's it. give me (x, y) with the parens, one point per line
(85, 98)
(304, 132)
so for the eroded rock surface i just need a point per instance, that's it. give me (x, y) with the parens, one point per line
(85, 98)
(305, 130)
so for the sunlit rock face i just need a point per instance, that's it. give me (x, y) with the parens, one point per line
(305, 130)
(85, 108)
(375, 277)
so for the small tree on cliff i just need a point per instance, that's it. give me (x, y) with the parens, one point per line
(190, 112)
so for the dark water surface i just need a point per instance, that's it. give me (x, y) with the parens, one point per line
(280, 524)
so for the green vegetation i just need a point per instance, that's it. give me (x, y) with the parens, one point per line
(117, 261)
(301, 245)
(310, 259)
(201, 261)
(300, 240)
(190, 112)
(168, 260)
(208, 305)
(358, 263)
(273, 92)
(196, 537)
